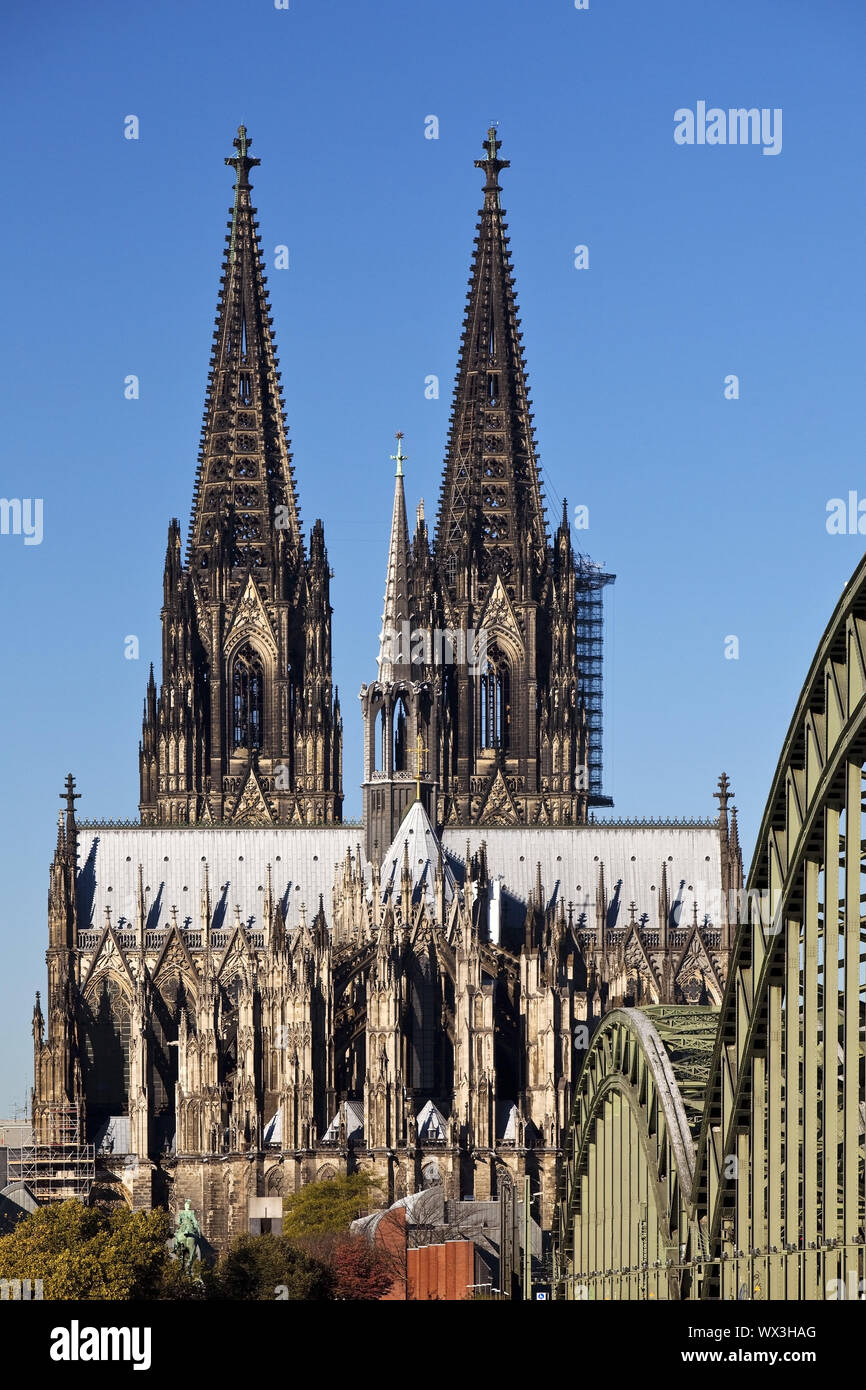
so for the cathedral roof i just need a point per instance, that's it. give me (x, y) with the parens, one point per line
(630, 858)
(573, 862)
(417, 836)
(173, 861)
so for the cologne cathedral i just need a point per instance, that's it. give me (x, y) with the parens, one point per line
(246, 995)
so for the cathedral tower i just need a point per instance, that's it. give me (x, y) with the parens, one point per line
(514, 736)
(246, 726)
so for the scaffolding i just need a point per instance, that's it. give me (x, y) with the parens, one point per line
(592, 579)
(57, 1166)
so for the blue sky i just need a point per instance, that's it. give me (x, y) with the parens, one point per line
(704, 261)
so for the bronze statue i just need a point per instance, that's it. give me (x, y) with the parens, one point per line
(187, 1237)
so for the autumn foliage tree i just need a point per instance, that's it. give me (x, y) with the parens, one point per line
(360, 1271)
(318, 1218)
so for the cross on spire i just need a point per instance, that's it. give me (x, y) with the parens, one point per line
(242, 162)
(492, 164)
(70, 795)
(399, 458)
(723, 795)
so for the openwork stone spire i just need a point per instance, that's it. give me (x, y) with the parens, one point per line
(246, 727)
(244, 477)
(396, 617)
(490, 509)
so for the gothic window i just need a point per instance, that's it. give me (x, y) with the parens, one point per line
(228, 1029)
(106, 1050)
(248, 685)
(495, 722)
(380, 729)
(168, 1001)
(401, 736)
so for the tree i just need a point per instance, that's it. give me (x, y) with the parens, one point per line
(361, 1272)
(91, 1253)
(269, 1267)
(327, 1208)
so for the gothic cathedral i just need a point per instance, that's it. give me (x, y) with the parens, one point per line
(246, 994)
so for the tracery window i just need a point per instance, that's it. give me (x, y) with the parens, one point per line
(106, 1049)
(248, 684)
(495, 702)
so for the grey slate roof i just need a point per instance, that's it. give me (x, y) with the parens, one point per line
(302, 865)
(417, 832)
(303, 860)
(571, 858)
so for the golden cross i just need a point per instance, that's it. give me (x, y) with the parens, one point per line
(419, 749)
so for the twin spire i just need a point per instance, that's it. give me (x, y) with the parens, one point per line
(245, 492)
(491, 510)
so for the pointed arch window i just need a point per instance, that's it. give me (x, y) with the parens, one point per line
(106, 1035)
(495, 721)
(248, 696)
(400, 761)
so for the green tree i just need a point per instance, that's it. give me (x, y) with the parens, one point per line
(328, 1208)
(91, 1253)
(269, 1267)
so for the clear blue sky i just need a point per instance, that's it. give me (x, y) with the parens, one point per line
(704, 261)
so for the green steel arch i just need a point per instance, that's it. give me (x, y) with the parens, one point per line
(775, 1204)
(628, 1175)
(780, 1157)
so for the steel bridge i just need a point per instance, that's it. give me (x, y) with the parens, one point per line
(719, 1154)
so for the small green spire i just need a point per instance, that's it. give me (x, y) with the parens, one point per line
(399, 458)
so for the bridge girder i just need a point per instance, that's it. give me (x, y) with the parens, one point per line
(772, 1199)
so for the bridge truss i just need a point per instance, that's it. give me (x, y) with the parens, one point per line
(732, 1165)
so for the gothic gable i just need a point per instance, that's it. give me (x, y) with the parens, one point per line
(250, 620)
(108, 959)
(695, 975)
(174, 959)
(251, 807)
(498, 807)
(499, 622)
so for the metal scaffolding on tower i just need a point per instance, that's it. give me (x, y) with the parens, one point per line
(57, 1167)
(592, 580)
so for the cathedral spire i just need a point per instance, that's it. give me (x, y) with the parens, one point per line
(491, 514)
(396, 618)
(246, 726)
(245, 490)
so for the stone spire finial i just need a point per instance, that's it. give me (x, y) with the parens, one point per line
(396, 618)
(492, 164)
